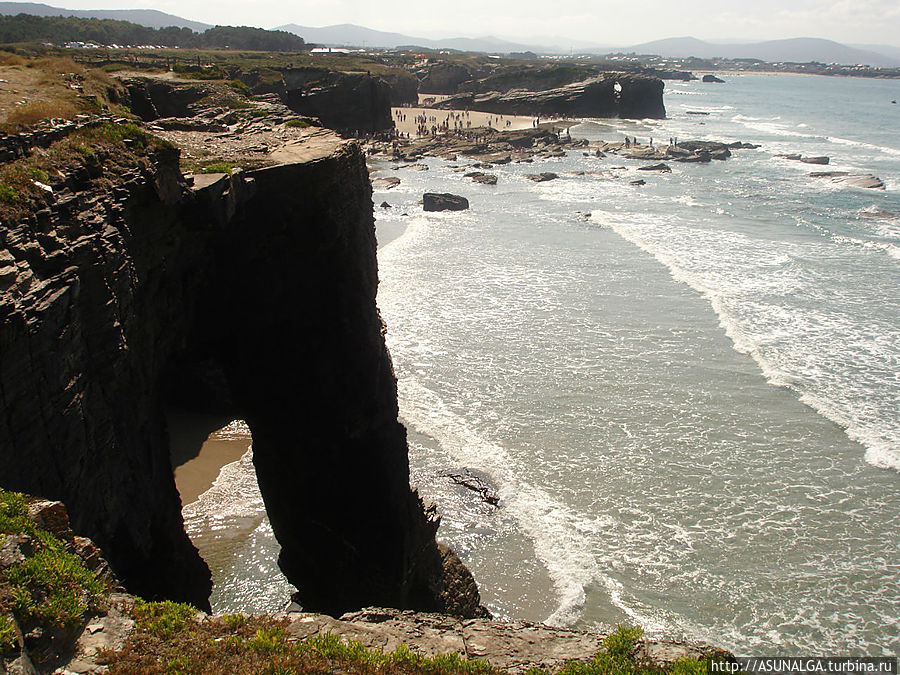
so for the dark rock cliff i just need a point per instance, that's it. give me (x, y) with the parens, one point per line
(253, 295)
(344, 101)
(617, 95)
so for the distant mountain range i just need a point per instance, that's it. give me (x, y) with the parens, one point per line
(350, 35)
(143, 17)
(799, 50)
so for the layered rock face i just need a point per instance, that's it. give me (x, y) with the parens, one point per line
(92, 306)
(251, 295)
(624, 96)
(344, 101)
(446, 78)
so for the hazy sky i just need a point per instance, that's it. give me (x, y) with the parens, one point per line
(623, 22)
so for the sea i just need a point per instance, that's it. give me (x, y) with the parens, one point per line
(686, 393)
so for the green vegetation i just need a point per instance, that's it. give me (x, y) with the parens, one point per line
(59, 30)
(14, 514)
(298, 124)
(8, 194)
(51, 588)
(236, 643)
(8, 637)
(217, 167)
(103, 150)
(163, 619)
(616, 658)
(259, 644)
(240, 87)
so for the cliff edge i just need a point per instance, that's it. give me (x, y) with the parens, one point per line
(119, 288)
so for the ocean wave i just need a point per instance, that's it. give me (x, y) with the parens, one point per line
(561, 537)
(880, 442)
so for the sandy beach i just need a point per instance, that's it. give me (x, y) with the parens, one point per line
(201, 446)
(405, 118)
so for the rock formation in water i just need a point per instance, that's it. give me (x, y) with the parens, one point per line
(617, 95)
(443, 201)
(252, 295)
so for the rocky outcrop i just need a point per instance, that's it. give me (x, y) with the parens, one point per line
(542, 177)
(445, 78)
(343, 101)
(404, 88)
(860, 180)
(713, 78)
(513, 647)
(119, 299)
(481, 177)
(443, 201)
(529, 78)
(151, 99)
(618, 95)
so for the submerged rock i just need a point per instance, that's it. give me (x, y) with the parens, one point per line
(386, 183)
(662, 168)
(860, 180)
(483, 178)
(542, 177)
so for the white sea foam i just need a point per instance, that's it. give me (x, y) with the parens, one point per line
(562, 538)
(233, 495)
(840, 403)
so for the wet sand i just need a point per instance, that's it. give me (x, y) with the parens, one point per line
(478, 119)
(200, 450)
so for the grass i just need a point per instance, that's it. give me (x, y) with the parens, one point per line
(217, 167)
(56, 79)
(616, 658)
(8, 638)
(106, 148)
(299, 124)
(257, 645)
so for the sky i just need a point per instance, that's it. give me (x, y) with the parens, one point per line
(621, 23)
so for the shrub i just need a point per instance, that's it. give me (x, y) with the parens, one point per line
(163, 619)
(218, 167)
(54, 588)
(299, 124)
(13, 505)
(239, 86)
(8, 194)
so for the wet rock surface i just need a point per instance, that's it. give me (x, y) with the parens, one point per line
(443, 201)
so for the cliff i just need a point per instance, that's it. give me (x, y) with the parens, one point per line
(118, 299)
(615, 95)
(351, 101)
